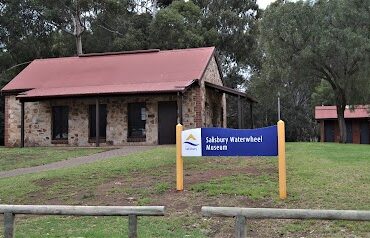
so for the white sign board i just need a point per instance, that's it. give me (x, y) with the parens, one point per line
(192, 142)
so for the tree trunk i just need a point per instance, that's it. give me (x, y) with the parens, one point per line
(78, 29)
(341, 106)
(342, 124)
(155, 7)
(79, 44)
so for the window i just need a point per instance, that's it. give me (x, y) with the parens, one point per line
(102, 121)
(60, 123)
(136, 120)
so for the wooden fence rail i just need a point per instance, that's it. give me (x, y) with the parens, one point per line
(241, 214)
(132, 212)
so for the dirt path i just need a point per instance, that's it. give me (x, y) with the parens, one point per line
(76, 161)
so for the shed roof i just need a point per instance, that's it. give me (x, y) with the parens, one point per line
(127, 72)
(330, 112)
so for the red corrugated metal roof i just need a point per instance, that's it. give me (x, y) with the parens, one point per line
(153, 71)
(105, 89)
(330, 112)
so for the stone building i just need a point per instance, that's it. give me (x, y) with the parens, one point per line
(122, 98)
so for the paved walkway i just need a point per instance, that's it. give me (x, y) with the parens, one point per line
(76, 161)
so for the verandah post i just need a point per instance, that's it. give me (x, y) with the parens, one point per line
(180, 98)
(179, 160)
(97, 123)
(22, 124)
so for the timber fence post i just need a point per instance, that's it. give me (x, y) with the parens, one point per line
(132, 226)
(9, 219)
(240, 223)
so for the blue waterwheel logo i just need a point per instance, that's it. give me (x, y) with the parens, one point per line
(190, 138)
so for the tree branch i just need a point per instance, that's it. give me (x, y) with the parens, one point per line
(50, 22)
(354, 67)
(110, 30)
(326, 74)
(14, 66)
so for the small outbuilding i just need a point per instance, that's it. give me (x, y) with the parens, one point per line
(357, 124)
(122, 98)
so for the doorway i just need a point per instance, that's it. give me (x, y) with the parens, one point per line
(364, 132)
(329, 131)
(167, 120)
(349, 132)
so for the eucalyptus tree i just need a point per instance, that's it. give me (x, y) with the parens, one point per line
(321, 40)
(69, 16)
(231, 26)
(118, 27)
(177, 26)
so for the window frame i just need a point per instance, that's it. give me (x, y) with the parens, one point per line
(53, 123)
(93, 127)
(136, 138)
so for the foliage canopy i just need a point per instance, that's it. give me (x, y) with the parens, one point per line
(323, 40)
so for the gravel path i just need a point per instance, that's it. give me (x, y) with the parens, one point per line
(76, 161)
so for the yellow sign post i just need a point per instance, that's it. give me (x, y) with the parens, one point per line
(281, 155)
(179, 160)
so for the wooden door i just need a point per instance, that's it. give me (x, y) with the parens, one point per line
(329, 131)
(364, 127)
(349, 132)
(167, 120)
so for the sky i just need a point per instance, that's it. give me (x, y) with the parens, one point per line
(263, 3)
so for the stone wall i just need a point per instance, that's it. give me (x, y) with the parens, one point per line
(12, 122)
(37, 123)
(213, 102)
(78, 119)
(212, 73)
(213, 109)
(191, 108)
(38, 119)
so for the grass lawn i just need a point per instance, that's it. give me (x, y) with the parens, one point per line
(13, 158)
(320, 176)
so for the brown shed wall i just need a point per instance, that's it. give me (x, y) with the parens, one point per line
(356, 130)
